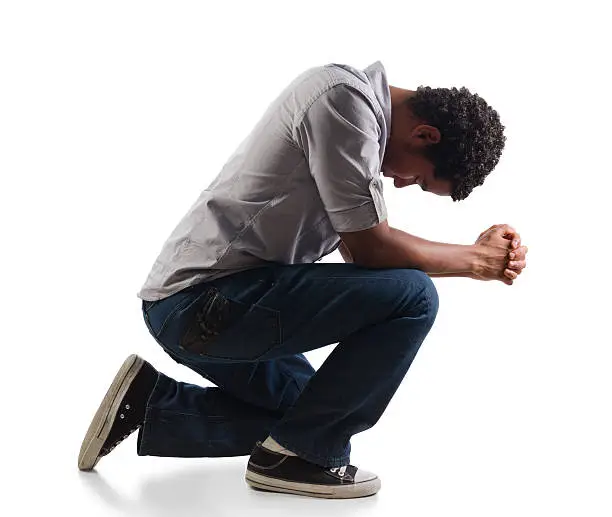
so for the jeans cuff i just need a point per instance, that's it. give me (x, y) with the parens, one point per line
(323, 461)
(161, 386)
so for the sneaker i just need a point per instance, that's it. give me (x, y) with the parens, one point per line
(121, 411)
(277, 472)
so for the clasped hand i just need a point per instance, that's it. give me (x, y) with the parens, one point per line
(502, 256)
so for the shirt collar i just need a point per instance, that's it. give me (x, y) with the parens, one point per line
(377, 76)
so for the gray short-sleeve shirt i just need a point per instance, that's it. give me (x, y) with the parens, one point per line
(309, 169)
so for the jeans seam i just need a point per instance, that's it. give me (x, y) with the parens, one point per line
(181, 305)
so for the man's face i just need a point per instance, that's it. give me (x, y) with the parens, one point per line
(410, 167)
(404, 159)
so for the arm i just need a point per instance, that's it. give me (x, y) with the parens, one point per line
(346, 256)
(347, 177)
(435, 275)
(432, 257)
(386, 247)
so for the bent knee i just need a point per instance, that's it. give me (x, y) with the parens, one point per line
(433, 299)
(429, 294)
(421, 292)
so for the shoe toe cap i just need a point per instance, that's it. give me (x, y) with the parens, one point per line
(362, 476)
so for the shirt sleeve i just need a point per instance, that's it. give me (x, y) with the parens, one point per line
(339, 134)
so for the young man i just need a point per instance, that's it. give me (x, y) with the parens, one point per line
(237, 296)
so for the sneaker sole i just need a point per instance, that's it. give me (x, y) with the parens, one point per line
(363, 489)
(103, 420)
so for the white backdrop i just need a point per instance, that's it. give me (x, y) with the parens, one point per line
(114, 115)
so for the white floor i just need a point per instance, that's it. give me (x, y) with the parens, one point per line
(200, 487)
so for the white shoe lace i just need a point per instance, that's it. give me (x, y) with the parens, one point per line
(341, 470)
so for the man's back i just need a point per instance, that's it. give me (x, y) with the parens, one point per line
(265, 205)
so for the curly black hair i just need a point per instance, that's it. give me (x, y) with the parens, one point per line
(472, 135)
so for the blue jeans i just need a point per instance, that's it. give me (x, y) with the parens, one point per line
(246, 333)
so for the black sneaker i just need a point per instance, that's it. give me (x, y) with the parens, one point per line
(277, 472)
(121, 411)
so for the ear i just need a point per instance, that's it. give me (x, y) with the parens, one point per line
(425, 134)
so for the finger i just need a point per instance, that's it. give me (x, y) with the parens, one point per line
(518, 253)
(510, 274)
(515, 240)
(512, 236)
(487, 230)
(511, 233)
(517, 264)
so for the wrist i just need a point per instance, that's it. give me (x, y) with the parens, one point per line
(474, 259)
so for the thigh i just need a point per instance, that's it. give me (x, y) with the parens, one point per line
(282, 310)
(321, 304)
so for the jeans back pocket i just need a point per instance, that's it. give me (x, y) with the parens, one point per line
(218, 327)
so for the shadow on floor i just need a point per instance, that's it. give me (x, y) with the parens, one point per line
(216, 490)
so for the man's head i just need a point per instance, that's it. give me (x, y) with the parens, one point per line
(445, 139)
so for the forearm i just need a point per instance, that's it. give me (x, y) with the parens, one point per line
(434, 258)
(447, 275)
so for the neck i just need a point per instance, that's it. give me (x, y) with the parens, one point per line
(399, 95)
